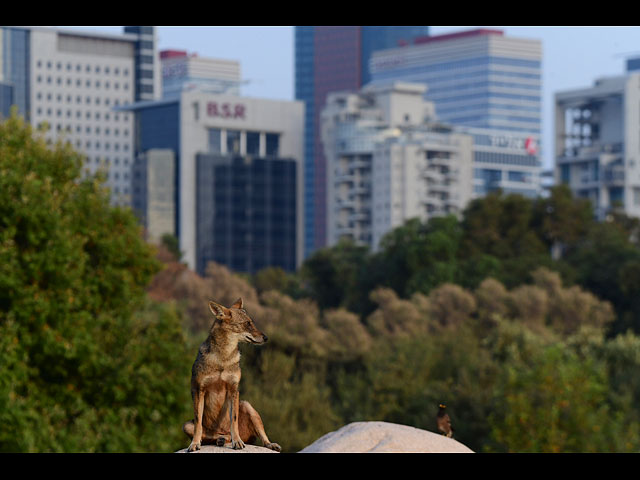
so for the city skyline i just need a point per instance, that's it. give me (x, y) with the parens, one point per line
(573, 57)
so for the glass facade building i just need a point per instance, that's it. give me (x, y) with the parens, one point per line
(14, 67)
(329, 59)
(145, 60)
(476, 78)
(246, 212)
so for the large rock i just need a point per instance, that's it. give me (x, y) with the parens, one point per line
(383, 437)
(228, 449)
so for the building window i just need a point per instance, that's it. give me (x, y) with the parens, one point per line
(253, 143)
(214, 140)
(273, 144)
(233, 142)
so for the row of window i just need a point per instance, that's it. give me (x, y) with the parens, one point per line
(78, 82)
(395, 72)
(87, 115)
(486, 84)
(79, 68)
(492, 175)
(272, 142)
(96, 130)
(69, 99)
(95, 144)
(485, 106)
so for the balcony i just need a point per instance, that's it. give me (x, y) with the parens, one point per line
(613, 175)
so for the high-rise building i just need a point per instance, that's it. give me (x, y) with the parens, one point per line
(476, 78)
(389, 161)
(597, 146)
(147, 75)
(491, 85)
(182, 71)
(329, 59)
(235, 166)
(72, 80)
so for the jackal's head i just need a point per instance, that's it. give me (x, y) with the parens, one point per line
(236, 320)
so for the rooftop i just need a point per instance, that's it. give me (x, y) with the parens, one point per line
(455, 35)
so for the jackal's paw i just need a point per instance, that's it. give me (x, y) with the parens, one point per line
(273, 446)
(193, 447)
(237, 444)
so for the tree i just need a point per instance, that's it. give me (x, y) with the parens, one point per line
(73, 273)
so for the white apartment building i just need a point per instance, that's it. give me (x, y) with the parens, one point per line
(71, 80)
(388, 161)
(597, 143)
(184, 72)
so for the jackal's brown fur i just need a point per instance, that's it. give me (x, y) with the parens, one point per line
(219, 415)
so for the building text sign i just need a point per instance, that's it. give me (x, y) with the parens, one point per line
(529, 144)
(226, 110)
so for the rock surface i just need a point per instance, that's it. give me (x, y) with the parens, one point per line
(215, 449)
(383, 437)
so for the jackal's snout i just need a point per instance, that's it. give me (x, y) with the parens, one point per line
(256, 336)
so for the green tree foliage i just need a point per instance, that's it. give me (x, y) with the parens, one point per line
(72, 276)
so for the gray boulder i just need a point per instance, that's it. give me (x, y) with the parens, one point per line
(228, 449)
(383, 437)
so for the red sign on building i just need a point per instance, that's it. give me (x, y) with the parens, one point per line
(226, 110)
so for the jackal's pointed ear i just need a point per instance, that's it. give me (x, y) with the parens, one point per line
(238, 304)
(219, 311)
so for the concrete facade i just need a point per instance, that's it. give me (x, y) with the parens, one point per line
(182, 71)
(597, 146)
(72, 80)
(205, 129)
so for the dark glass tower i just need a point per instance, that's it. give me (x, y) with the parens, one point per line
(329, 59)
(246, 212)
(145, 58)
(14, 67)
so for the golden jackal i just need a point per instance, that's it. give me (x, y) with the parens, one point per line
(219, 416)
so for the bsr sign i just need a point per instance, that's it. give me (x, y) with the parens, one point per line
(226, 110)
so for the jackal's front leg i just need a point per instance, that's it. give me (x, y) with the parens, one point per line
(234, 404)
(198, 410)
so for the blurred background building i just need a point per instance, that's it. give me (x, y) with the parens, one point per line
(329, 59)
(182, 71)
(597, 146)
(235, 163)
(388, 160)
(72, 80)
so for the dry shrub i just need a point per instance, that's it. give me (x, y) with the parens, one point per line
(348, 338)
(492, 300)
(451, 305)
(396, 317)
(571, 308)
(530, 305)
(293, 324)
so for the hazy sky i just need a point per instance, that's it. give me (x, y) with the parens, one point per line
(573, 57)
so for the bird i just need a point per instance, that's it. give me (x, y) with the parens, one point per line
(443, 421)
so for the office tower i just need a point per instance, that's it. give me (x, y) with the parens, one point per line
(72, 80)
(389, 161)
(181, 71)
(237, 174)
(329, 59)
(147, 74)
(488, 83)
(597, 146)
